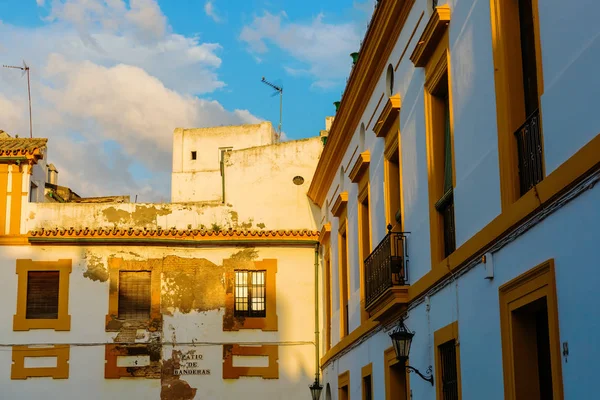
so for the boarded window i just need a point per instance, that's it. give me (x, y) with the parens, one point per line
(250, 294)
(42, 294)
(134, 295)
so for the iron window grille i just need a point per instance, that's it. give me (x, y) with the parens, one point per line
(42, 294)
(529, 146)
(250, 294)
(449, 374)
(134, 295)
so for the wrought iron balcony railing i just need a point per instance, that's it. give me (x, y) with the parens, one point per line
(529, 146)
(386, 266)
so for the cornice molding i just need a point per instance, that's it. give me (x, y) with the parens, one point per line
(325, 233)
(360, 167)
(340, 204)
(381, 37)
(435, 29)
(389, 113)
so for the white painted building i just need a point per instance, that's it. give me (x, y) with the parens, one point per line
(499, 278)
(186, 300)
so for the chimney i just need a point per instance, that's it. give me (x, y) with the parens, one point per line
(52, 174)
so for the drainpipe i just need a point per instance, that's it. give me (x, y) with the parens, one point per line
(223, 174)
(317, 367)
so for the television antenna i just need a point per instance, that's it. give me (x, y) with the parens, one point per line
(25, 69)
(278, 89)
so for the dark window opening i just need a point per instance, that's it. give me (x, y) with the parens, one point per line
(449, 373)
(134, 295)
(344, 394)
(528, 56)
(445, 205)
(42, 294)
(193, 155)
(250, 294)
(344, 288)
(533, 367)
(395, 217)
(365, 228)
(367, 388)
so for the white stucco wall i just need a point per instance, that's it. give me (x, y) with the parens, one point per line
(259, 183)
(88, 306)
(200, 179)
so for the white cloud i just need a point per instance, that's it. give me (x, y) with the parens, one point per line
(40, 2)
(323, 48)
(210, 10)
(143, 19)
(108, 94)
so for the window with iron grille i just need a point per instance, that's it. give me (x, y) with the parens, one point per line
(250, 294)
(449, 375)
(134, 294)
(445, 205)
(42, 294)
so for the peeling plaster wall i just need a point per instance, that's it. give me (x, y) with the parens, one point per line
(288, 210)
(200, 179)
(140, 216)
(192, 307)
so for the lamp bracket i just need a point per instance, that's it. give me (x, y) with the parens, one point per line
(428, 377)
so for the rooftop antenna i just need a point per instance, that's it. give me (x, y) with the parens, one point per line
(25, 69)
(278, 89)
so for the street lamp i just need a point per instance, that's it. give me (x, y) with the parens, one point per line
(315, 390)
(402, 339)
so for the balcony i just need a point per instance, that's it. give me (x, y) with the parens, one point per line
(386, 275)
(529, 147)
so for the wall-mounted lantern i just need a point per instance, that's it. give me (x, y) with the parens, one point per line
(402, 339)
(354, 57)
(315, 390)
(337, 105)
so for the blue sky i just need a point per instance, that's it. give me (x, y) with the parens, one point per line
(111, 79)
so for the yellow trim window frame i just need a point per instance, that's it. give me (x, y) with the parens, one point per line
(397, 384)
(508, 19)
(530, 337)
(447, 363)
(360, 175)
(62, 322)
(344, 386)
(440, 152)
(344, 279)
(366, 373)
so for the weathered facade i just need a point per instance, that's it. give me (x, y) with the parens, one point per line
(197, 299)
(466, 127)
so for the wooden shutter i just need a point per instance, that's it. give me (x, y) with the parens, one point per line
(134, 295)
(42, 294)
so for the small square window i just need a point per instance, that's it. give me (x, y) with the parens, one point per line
(193, 155)
(42, 294)
(250, 294)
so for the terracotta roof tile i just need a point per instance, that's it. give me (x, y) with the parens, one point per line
(189, 234)
(21, 146)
